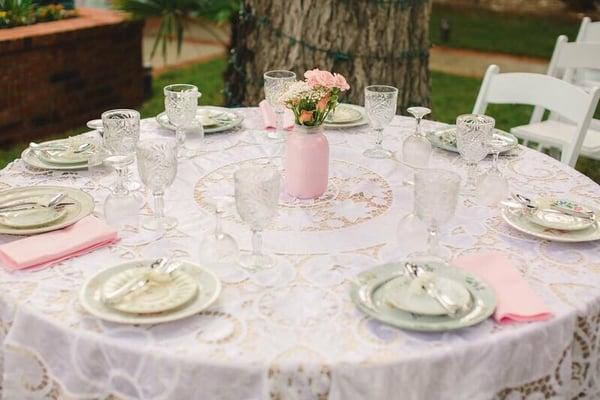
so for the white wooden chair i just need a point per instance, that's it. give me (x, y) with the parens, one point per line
(588, 32)
(565, 99)
(567, 60)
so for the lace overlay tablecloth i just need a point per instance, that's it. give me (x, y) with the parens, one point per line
(293, 333)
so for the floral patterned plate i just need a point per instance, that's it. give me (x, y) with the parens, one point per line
(368, 294)
(549, 217)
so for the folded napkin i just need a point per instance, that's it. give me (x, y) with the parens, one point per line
(517, 302)
(49, 248)
(270, 119)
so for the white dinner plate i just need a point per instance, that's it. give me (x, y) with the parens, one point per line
(362, 121)
(90, 295)
(84, 205)
(214, 119)
(343, 114)
(549, 218)
(32, 160)
(155, 296)
(523, 223)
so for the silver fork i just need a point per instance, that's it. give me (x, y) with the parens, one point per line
(446, 302)
(136, 284)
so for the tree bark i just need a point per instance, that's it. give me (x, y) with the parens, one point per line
(368, 41)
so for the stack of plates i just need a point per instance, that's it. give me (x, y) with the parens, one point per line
(62, 155)
(33, 217)
(346, 116)
(213, 119)
(387, 294)
(446, 139)
(189, 290)
(547, 223)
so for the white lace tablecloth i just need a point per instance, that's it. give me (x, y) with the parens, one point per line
(293, 333)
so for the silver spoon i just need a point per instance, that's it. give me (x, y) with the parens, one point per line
(448, 304)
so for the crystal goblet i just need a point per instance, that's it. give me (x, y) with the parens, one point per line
(473, 136)
(256, 197)
(219, 247)
(181, 104)
(276, 83)
(380, 106)
(157, 165)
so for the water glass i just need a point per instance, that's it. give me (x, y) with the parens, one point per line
(493, 186)
(276, 83)
(473, 137)
(219, 247)
(380, 106)
(181, 105)
(416, 148)
(435, 199)
(157, 166)
(256, 197)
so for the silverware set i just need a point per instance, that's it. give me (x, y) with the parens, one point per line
(55, 202)
(527, 205)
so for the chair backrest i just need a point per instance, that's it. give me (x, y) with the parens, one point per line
(563, 98)
(588, 31)
(567, 59)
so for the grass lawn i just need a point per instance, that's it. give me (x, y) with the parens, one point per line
(451, 96)
(526, 35)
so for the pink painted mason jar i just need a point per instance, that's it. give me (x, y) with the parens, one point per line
(306, 162)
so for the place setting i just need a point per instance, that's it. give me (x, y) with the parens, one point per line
(68, 154)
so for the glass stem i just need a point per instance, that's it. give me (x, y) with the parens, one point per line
(471, 175)
(218, 226)
(256, 243)
(120, 186)
(433, 241)
(180, 137)
(495, 161)
(378, 138)
(418, 128)
(279, 124)
(159, 206)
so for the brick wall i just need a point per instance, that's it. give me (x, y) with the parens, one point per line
(55, 76)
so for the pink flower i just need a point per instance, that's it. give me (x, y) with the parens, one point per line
(340, 82)
(316, 77)
(306, 116)
(322, 104)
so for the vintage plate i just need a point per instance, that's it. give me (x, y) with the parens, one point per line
(549, 218)
(225, 119)
(401, 293)
(521, 222)
(445, 139)
(32, 160)
(31, 218)
(63, 157)
(362, 121)
(343, 114)
(90, 295)
(155, 296)
(84, 205)
(368, 296)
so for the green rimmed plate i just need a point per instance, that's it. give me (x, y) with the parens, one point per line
(446, 139)
(368, 294)
(214, 119)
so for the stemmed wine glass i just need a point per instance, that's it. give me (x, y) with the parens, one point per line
(219, 247)
(380, 105)
(276, 83)
(157, 165)
(181, 104)
(416, 148)
(435, 199)
(256, 198)
(493, 186)
(474, 134)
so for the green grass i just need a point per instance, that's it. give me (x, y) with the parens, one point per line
(451, 96)
(526, 35)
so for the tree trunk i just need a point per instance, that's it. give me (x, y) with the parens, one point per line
(368, 41)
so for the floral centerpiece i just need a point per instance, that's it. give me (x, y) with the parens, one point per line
(312, 99)
(307, 149)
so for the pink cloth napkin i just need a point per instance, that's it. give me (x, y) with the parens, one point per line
(49, 248)
(517, 302)
(270, 119)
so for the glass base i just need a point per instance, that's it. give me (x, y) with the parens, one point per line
(377, 152)
(252, 262)
(218, 249)
(275, 135)
(162, 224)
(185, 152)
(441, 256)
(138, 237)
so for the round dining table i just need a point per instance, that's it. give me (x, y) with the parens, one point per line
(292, 332)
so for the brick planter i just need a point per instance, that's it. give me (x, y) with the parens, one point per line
(55, 76)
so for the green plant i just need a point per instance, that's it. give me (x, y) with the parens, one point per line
(173, 15)
(17, 12)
